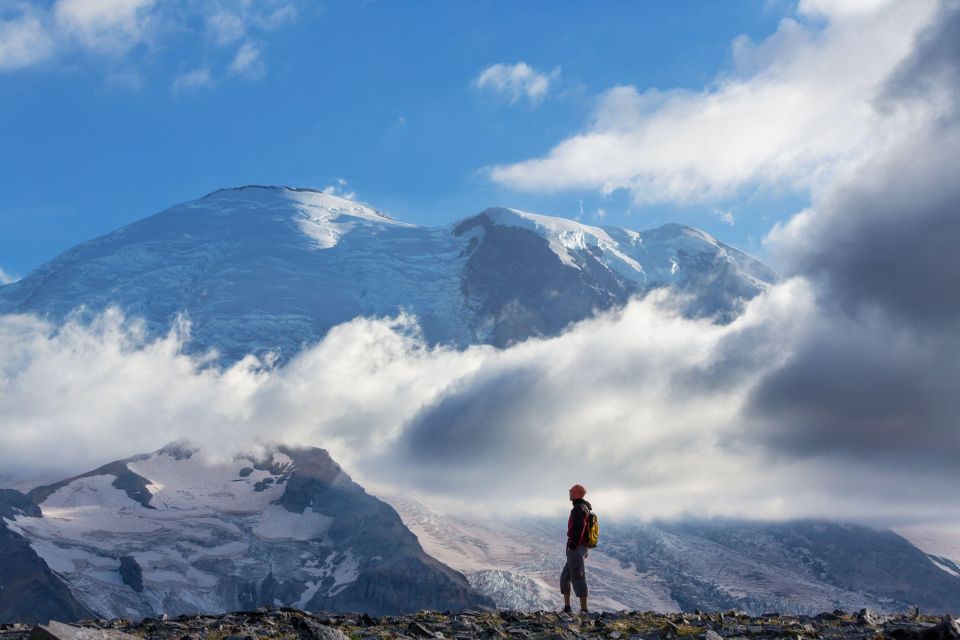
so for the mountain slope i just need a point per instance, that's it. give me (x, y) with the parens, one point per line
(29, 590)
(172, 533)
(797, 566)
(259, 269)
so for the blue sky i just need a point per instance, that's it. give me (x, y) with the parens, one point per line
(105, 127)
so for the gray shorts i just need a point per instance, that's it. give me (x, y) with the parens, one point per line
(575, 571)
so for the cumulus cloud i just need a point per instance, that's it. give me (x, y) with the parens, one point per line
(794, 110)
(518, 81)
(876, 377)
(31, 35)
(650, 410)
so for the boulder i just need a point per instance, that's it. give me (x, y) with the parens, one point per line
(59, 631)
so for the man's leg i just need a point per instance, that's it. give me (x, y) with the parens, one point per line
(578, 575)
(565, 583)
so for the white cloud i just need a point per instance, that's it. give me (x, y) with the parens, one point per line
(724, 216)
(642, 406)
(226, 26)
(112, 29)
(192, 79)
(340, 189)
(247, 61)
(516, 81)
(24, 39)
(105, 26)
(796, 109)
(7, 278)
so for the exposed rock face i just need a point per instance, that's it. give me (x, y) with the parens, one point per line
(170, 532)
(131, 573)
(394, 572)
(29, 590)
(272, 269)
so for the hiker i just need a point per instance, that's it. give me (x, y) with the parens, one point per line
(577, 541)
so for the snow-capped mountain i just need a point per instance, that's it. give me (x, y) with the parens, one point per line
(798, 567)
(259, 269)
(171, 532)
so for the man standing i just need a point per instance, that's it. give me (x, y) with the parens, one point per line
(577, 530)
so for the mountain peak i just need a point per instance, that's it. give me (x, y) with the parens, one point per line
(177, 531)
(270, 269)
(324, 202)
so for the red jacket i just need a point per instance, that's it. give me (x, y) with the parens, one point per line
(578, 523)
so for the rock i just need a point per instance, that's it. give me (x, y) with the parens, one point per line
(948, 629)
(867, 617)
(533, 625)
(59, 631)
(307, 629)
(420, 631)
(131, 574)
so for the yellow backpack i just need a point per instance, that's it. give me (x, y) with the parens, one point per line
(593, 530)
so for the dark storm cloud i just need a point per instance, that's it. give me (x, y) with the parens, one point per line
(891, 240)
(876, 375)
(868, 391)
(483, 416)
(935, 63)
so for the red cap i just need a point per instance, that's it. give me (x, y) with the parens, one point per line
(577, 491)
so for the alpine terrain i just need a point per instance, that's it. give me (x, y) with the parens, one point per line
(271, 269)
(172, 533)
(796, 566)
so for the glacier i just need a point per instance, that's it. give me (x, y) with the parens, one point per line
(269, 270)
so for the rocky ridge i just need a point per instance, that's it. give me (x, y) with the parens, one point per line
(171, 532)
(486, 624)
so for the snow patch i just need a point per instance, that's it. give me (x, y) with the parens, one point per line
(194, 484)
(276, 523)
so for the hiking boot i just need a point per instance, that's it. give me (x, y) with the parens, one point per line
(567, 610)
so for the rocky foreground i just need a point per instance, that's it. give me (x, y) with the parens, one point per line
(298, 625)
